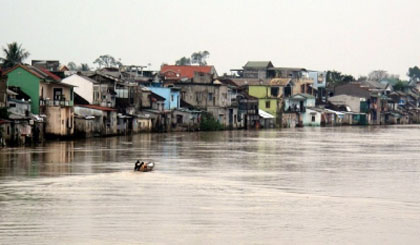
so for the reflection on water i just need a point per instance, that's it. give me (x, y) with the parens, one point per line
(311, 185)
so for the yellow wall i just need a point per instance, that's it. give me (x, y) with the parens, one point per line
(48, 90)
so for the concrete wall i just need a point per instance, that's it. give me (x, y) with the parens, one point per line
(105, 122)
(351, 101)
(204, 96)
(142, 125)
(60, 121)
(290, 120)
(262, 104)
(83, 127)
(228, 117)
(307, 118)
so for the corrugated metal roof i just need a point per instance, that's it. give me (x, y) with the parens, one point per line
(280, 81)
(265, 114)
(258, 64)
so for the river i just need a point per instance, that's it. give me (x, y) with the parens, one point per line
(342, 185)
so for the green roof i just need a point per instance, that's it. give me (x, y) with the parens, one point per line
(258, 64)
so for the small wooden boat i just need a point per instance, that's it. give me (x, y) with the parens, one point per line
(145, 167)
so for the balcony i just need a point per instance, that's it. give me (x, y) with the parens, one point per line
(61, 103)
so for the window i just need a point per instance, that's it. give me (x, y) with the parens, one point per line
(58, 93)
(179, 119)
(172, 97)
(210, 96)
(267, 104)
(274, 91)
(313, 118)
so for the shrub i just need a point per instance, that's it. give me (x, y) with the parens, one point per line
(209, 123)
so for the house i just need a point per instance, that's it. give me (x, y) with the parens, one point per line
(299, 103)
(374, 95)
(92, 91)
(171, 95)
(311, 117)
(49, 96)
(211, 97)
(300, 108)
(266, 120)
(93, 120)
(153, 105)
(248, 113)
(267, 101)
(319, 84)
(257, 69)
(350, 103)
(184, 119)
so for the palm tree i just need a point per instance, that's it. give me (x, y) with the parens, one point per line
(14, 54)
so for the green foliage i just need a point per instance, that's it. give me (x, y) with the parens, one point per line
(184, 61)
(14, 54)
(414, 73)
(335, 78)
(209, 123)
(199, 58)
(399, 86)
(84, 67)
(73, 67)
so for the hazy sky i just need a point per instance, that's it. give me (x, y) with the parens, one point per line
(354, 36)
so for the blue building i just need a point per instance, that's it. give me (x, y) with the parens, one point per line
(171, 95)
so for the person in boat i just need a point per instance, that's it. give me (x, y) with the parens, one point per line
(138, 165)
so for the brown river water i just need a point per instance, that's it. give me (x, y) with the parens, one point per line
(343, 185)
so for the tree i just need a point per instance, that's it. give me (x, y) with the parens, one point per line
(379, 75)
(107, 61)
(399, 86)
(200, 57)
(72, 66)
(84, 67)
(414, 73)
(335, 78)
(14, 54)
(184, 61)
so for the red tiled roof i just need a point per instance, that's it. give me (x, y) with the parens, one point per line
(96, 107)
(50, 74)
(184, 71)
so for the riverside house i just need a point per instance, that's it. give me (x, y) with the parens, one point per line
(201, 91)
(49, 97)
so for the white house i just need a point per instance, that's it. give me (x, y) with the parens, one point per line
(84, 86)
